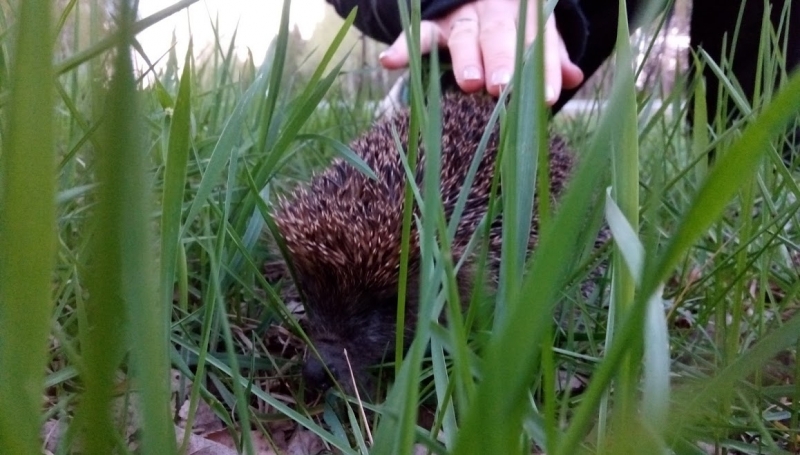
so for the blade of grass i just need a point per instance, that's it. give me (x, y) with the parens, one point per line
(630, 249)
(625, 192)
(411, 192)
(224, 73)
(175, 181)
(199, 375)
(114, 40)
(430, 269)
(241, 404)
(172, 251)
(656, 384)
(316, 87)
(700, 139)
(395, 432)
(130, 195)
(295, 119)
(276, 71)
(224, 147)
(522, 144)
(121, 286)
(27, 235)
(343, 151)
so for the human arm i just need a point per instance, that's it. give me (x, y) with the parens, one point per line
(480, 36)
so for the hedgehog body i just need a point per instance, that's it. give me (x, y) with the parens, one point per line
(343, 232)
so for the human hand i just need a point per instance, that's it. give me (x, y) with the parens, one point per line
(481, 37)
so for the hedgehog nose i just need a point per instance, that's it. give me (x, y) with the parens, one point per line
(315, 375)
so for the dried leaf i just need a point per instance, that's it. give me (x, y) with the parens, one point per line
(304, 442)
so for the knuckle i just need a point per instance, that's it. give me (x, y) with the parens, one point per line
(462, 37)
(464, 28)
(500, 57)
(498, 26)
(464, 22)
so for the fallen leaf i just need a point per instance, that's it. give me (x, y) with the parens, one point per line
(304, 442)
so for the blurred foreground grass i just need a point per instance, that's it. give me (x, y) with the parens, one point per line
(134, 239)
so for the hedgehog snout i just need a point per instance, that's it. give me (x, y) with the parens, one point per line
(320, 373)
(316, 376)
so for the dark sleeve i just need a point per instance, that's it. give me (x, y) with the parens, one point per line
(572, 26)
(380, 19)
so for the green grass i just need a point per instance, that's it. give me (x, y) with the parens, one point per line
(28, 244)
(135, 227)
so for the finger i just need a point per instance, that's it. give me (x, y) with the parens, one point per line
(552, 63)
(397, 55)
(465, 53)
(571, 74)
(497, 38)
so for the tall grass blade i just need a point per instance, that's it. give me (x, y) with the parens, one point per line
(700, 139)
(523, 142)
(625, 192)
(175, 181)
(396, 430)
(121, 281)
(111, 42)
(629, 247)
(224, 146)
(242, 407)
(281, 42)
(27, 229)
(411, 191)
(656, 382)
(345, 152)
(655, 394)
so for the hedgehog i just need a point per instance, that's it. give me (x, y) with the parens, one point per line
(342, 231)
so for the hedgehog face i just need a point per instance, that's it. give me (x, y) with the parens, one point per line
(364, 327)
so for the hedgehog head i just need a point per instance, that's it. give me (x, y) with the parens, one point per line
(343, 235)
(360, 334)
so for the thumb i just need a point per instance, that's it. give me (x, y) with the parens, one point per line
(397, 55)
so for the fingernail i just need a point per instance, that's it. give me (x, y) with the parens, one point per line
(472, 73)
(385, 54)
(550, 93)
(501, 77)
